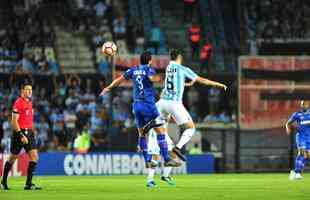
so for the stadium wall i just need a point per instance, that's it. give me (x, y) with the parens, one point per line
(101, 164)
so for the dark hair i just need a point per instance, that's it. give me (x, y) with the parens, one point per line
(174, 54)
(145, 58)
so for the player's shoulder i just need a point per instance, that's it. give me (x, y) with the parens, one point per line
(132, 68)
(298, 113)
(184, 68)
(18, 104)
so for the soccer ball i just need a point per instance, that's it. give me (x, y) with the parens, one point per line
(109, 48)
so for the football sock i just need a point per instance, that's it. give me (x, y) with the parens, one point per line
(31, 168)
(166, 171)
(162, 143)
(299, 164)
(186, 136)
(150, 175)
(7, 168)
(143, 147)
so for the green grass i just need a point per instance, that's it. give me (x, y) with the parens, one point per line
(189, 187)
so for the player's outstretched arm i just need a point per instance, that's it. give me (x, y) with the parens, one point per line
(205, 81)
(114, 84)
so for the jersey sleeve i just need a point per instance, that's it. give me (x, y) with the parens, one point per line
(151, 72)
(128, 74)
(292, 118)
(17, 107)
(190, 74)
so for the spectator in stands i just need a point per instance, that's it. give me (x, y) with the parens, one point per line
(96, 123)
(83, 141)
(192, 97)
(57, 119)
(194, 33)
(139, 40)
(119, 28)
(154, 40)
(205, 56)
(195, 150)
(70, 119)
(224, 117)
(189, 9)
(100, 9)
(212, 117)
(42, 129)
(27, 63)
(7, 131)
(73, 82)
(214, 95)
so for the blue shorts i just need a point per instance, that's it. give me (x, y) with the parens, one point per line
(144, 112)
(303, 141)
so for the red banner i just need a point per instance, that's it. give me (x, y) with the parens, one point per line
(257, 112)
(20, 166)
(275, 63)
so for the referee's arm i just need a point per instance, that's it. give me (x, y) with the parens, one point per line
(15, 124)
(16, 127)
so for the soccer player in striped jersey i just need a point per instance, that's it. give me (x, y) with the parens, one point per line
(302, 119)
(170, 102)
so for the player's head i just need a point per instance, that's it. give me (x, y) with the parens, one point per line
(146, 58)
(176, 55)
(26, 90)
(304, 104)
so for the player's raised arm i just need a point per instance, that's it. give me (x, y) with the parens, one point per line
(205, 81)
(115, 83)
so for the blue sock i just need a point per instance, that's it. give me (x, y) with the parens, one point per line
(162, 143)
(299, 164)
(143, 147)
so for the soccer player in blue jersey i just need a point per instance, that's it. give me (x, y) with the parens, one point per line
(144, 108)
(302, 119)
(170, 102)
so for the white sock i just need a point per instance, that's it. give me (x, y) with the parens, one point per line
(166, 171)
(150, 174)
(186, 136)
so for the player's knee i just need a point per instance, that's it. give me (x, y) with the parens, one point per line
(189, 125)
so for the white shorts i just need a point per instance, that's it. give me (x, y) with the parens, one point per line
(175, 109)
(152, 144)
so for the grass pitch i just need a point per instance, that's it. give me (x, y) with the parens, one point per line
(189, 187)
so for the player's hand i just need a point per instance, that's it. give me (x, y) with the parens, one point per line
(220, 85)
(24, 139)
(104, 91)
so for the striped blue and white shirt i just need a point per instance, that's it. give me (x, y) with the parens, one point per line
(176, 75)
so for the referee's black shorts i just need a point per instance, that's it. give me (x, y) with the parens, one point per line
(17, 145)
